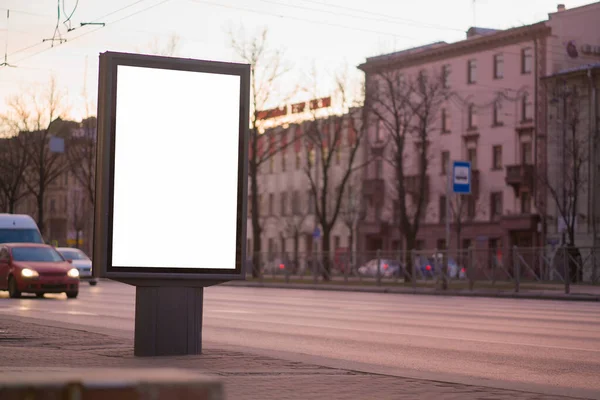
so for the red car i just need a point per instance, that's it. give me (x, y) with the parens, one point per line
(36, 268)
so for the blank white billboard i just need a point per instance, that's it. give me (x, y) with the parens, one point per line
(177, 143)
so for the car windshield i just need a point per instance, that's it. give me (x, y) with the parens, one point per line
(36, 254)
(20, 236)
(73, 255)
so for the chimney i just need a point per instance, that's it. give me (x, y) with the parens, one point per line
(561, 7)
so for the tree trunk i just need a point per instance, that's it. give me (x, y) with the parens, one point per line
(350, 258)
(325, 249)
(40, 210)
(411, 241)
(77, 239)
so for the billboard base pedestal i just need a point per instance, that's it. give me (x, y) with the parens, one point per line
(168, 321)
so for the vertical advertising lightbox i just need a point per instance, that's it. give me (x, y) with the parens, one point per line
(171, 175)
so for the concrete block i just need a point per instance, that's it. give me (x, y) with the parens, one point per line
(113, 384)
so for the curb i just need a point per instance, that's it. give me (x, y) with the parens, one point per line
(434, 292)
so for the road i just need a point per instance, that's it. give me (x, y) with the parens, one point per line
(506, 342)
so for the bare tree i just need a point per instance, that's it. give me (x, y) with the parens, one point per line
(332, 146)
(568, 183)
(37, 118)
(405, 109)
(352, 212)
(81, 155)
(168, 49)
(267, 69)
(294, 223)
(79, 213)
(13, 164)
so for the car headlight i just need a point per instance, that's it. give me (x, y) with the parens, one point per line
(29, 273)
(73, 273)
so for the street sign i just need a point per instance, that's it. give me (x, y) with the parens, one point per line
(316, 233)
(461, 177)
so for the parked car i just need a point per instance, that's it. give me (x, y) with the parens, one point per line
(19, 228)
(428, 266)
(387, 268)
(36, 268)
(81, 261)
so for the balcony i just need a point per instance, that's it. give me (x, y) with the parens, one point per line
(520, 177)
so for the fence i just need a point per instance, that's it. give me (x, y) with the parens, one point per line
(466, 268)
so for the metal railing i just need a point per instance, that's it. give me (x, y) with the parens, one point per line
(515, 268)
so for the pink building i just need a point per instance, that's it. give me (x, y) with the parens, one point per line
(494, 115)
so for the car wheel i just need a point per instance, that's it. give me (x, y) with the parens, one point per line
(39, 295)
(93, 283)
(72, 295)
(13, 291)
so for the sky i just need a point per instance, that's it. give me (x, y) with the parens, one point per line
(331, 35)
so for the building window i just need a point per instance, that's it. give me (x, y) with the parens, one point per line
(311, 158)
(472, 116)
(284, 205)
(497, 157)
(52, 205)
(442, 211)
(497, 114)
(378, 129)
(526, 153)
(379, 168)
(472, 157)
(471, 207)
(441, 244)
(498, 66)
(495, 205)
(336, 242)
(472, 71)
(311, 202)
(296, 203)
(525, 203)
(338, 156)
(526, 108)
(527, 60)
(445, 159)
(283, 161)
(298, 160)
(271, 203)
(271, 164)
(445, 121)
(446, 76)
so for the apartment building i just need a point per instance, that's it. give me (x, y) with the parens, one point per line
(573, 142)
(287, 215)
(493, 115)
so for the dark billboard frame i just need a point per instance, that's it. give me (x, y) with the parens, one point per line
(105, 169)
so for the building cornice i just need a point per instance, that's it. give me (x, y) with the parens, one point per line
(468, 46)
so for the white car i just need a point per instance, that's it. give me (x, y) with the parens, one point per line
(80, 261)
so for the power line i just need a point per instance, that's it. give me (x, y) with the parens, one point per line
(94, 22)
(382, 17)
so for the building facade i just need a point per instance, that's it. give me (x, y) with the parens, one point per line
(493, 114)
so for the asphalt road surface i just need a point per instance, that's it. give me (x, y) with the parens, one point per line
(504, 342)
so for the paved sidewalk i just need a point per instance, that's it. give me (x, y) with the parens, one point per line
(26, 346)
(578, 293)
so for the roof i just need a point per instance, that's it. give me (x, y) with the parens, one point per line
(446, 50)
(13, 245)
(17, 221)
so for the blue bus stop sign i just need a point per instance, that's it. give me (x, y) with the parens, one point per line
(461, 177)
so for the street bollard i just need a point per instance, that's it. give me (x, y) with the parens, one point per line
(378, 267)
